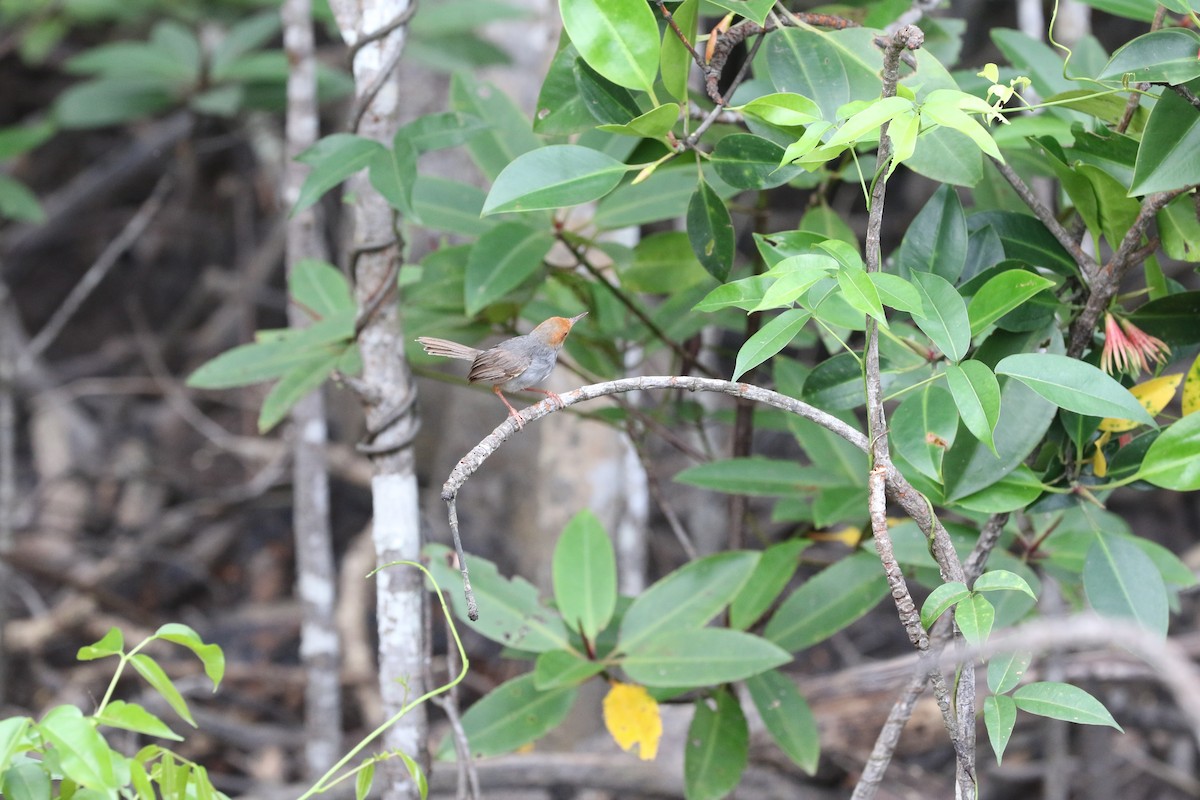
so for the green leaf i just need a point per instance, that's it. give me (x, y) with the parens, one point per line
(111, 101)
(319, 288)
(792, 278)
(746, 161)
(1017, 489)
(1166, 155)
(687, 598)
(512, 715)
(80, 750)
(1000, 717)
(27, 781)
(860, 293)
(1171, 318)
(744, 294)
(936, 241)
(757, 476)
(897, 293)
(710, 230)
(1180, 230)
(1002, 580)
(363, 781)
(941, 600)
(787, 717)
(718, 743)
(559, 668)
(836, 383)
(946, 156)
(154, 675)
(1005, 671)
(1172, 461)
(303, 378)
(1065, 702)
(1001, 294)
(974, 617)
(785, 109)
(604, 100)
(756, 10)
(393, 173)
(554, 177)
(654, 124)
(694, 657)
(509, 133)
(775, 569)
(132, 717)
(923, 428)
(18, 139)
(585, 575)
(210, 655)
(618, 38)
(1122, 581)
(1026, 239)
(515, 617)
(772, 337)
(675, 61)
(664, 195)
(18, 203)
(944, 315)
(333, 159)
(663, 263)
(12, 733)
(503, 259)
(111, 644)
(977, 396)
(828, 602)
(864, 124)
(1162, 56)
(832, 68)
(438, 131)
(561, 108)
(449, 206)
(1074, 385)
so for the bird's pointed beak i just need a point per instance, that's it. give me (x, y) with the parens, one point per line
(576, 318)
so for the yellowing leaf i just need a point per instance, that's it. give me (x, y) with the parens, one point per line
(631, 716)
(1153, 394)
(1099, 462)
(849, 536)
(1191, 389)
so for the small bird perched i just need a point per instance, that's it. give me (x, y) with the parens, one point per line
(515, 364)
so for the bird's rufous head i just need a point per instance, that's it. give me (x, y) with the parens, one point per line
(554, 330)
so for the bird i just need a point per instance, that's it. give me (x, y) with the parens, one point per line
(515, 364)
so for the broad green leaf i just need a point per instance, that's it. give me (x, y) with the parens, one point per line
(585, 575)
(80, 750)
(111, 644)
(745, 294)
(836, 383)
(946, 156)
(509, 133)
(1002, 580)
(654, 124)
(1173, 460)
(439, 131)
(831, 68)
(18, 139)
(515, 617)
(958, 120)
(1122, 581)
(756, 10)
(864, 124)
(710, 230)
(785, 109)
(976, 394)
(1065, 702)
(772, 337)
(828, 602)
(1004, 672)
(618, 38)
(607, 102)
(333, 159)
(897, 293)
(1162, 56)
(944, 315)
(511, 716)
(1074, 385)
(503, 259)
(553, 177)
(295, 384)
(1166, 156)
(1026, 239)
(860, 293)
(319, 288)
(1001, 294)
(675, 61)
(687, 598)
(1017, 489)
(560, 668)
(18, 203)
(12, 732)
(700, 657)
(561, 107)
(1179, 229)
(941, 600)
(28, 780)
(792, 278)
(663, 263)
(717, 749)
(757, 476)
(110, 101)
(449, 206)
(393, 173)
(936, 241)
(1172, 318)
(787, 717)
(775, 569)
(157, 677)
(746, 161)
(923, 427)
(1000, 717)
(663, 195)
(974, 617)
(132, 717)
(363, 781)
(210, 655)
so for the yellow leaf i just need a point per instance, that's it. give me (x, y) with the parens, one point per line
(631, 716)
(1099, 462)
(849, 536)
(1191, 389)
(1153, 394)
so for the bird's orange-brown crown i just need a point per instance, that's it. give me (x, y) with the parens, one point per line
(554, 330)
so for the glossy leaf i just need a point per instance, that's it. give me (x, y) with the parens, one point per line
(974, 617)
(555, 669)
(1002, 580)
(775, 335)
(717, 747)
(746, 161)
(561, 107)
(585, 575)
(947, 156)
(320, 288)
(710, 230)
(831, 68)
(1171, 318)
(1063, 701)
(654, 124)
(1166, 158)
(1074, 385)
(618, 38)
(1122, 581)
(450, 206)
(554, 177)
(923, 428)
(976, 394)
(687, 598)
(111, 644)
(80, 750)
(210, 655)
(999, 717)
(787, 717)
(836, 383)
(607, 102)
(675, 61)
(861, 294)
(897, 293)
(745, 294)
(333, 159)
(775, 569)
(1162, 56)
(936, 241)
(756, 10)
(393, 173)
(1001, 294)
(1191, 389)
(758, 476)
(1025, 239)
(944, 315)
(297, 383)
(1153, 394)
(1004, 672)
(785, 109)
(503, 258)
(133, 717)
(941, 600)
(509, 133)
(828, 602)
(512, 715)
(12, 732)
(699, 657)
(1014, 490)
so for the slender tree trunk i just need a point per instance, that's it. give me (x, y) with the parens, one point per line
(316, 576)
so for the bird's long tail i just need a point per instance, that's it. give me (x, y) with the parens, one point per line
(447, 349)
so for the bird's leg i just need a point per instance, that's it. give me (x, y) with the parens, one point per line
(512, 412)
(555, 400)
